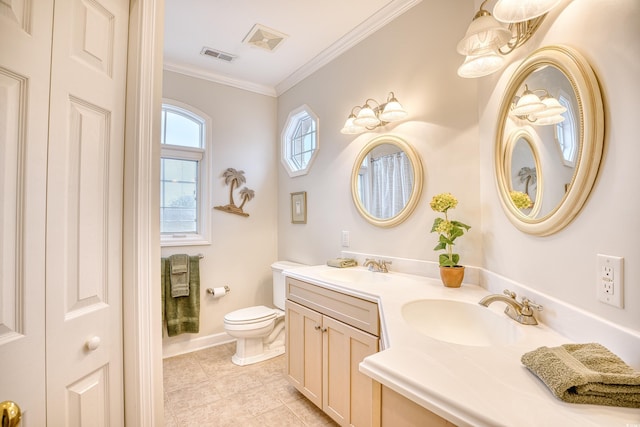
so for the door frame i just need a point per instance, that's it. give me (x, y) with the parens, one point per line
(143, 390)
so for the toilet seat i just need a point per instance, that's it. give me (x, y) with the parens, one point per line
(250, 315)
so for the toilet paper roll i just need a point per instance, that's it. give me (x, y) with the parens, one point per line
(217, 292)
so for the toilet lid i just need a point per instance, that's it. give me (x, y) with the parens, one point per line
(255, 314)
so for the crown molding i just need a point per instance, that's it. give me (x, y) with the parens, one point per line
(219, 78)
(376, 21)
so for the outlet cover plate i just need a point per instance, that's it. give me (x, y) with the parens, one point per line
(609, 280)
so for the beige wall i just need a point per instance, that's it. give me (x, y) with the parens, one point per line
(452, 125)
(242, 248)
(607, 33)
(415, 57)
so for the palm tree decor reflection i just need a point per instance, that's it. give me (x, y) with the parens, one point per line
(528, 177)
(235, 178)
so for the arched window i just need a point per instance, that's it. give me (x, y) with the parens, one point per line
(299, 141)
(184, 209)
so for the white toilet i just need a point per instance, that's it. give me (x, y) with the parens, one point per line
(259, 330)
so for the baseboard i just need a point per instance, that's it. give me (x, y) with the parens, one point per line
(186, 344)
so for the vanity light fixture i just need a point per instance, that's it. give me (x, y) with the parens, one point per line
(541, 110)
(373, 114)
(487, 40)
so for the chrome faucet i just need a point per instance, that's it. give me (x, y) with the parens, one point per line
(377, 266)
(521, 312)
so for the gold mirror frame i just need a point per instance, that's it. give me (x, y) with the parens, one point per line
(512, 141)
(591, 138)
(416, 164)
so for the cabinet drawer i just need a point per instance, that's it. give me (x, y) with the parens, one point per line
(354, 311)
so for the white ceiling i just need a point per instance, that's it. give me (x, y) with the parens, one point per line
(317, 32)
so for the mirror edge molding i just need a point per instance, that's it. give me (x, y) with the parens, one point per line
(416, 164)
(587, 90)
(512, 140)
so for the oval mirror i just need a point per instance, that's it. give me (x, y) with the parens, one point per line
(551, 118)
(386, 181)
(522, 164)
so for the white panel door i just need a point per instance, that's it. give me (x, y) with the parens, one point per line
(84, 214)
(25, 45)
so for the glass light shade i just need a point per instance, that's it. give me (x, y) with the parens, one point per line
(393, 112)
(522, 10)
(484, 34)
(550, 120)
(481, 65)
(350, 128)
(552, 107)
(366, 117)
(529, 103)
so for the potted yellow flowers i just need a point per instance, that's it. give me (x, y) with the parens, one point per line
(449, 230)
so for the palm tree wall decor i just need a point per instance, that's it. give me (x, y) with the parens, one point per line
(235, 178)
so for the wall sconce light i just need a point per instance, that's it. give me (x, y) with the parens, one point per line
(373, 114)
(540, 110)
(487, 40)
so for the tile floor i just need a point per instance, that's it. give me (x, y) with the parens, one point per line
(204, 388)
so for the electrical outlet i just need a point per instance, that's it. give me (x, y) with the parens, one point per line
(609, 283)
(345, 239)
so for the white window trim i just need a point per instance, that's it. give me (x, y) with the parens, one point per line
(203, 237)
(287, 133)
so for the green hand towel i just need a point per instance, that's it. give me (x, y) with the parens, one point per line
(182, 314)
(342, 262)
(585, 373)
(179, 275)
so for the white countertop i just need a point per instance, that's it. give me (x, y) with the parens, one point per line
(467, 385)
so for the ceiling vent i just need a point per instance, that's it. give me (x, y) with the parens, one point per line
(264, 37)
(218, 54)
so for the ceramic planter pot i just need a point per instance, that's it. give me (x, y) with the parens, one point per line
(452, 276)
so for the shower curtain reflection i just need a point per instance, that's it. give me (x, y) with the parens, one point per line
(390, 182)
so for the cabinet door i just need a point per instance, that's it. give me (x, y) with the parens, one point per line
(304, 350)
(348, 394)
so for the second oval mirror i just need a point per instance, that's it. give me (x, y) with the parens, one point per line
(386, 181)
(549, 140)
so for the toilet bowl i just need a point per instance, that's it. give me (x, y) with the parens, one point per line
(259, 330)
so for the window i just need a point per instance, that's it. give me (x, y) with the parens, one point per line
(183, 175)
(299, 141)
(566, 136)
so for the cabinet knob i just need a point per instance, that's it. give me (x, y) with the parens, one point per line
(93, 343)
(320, 328)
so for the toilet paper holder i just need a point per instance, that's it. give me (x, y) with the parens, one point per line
(217, 292)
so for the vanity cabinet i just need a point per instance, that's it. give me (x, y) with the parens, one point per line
(328, 334)
(398, 411)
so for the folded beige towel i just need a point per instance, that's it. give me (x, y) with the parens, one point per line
(585, 373)
(342, 262)
(179, 275)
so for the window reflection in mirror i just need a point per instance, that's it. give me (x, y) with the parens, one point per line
(557, 141)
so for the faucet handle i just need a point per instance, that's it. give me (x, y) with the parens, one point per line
(526, 302)
(384, 265)
(509, 293)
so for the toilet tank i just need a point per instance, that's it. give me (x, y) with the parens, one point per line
(279, 287)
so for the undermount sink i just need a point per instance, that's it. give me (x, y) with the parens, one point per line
(460, 322)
